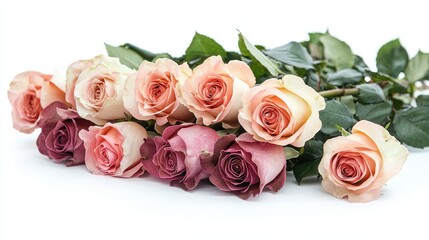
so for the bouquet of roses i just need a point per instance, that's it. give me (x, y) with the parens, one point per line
(240, 120)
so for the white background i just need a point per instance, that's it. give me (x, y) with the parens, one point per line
(43, 200)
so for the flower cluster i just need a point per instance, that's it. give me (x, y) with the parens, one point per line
(183, 125)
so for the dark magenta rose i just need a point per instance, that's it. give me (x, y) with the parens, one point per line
(244, 166)
(175, 156)
(59, 139)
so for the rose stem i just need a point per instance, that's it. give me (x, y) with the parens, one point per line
(339, 92)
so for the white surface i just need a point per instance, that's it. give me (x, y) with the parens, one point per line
(43, 200)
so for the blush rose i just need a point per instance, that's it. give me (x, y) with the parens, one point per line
(214, 91)
(153, 93)
(114, 149)
(358, 165)
(30, 92)
(282, 112)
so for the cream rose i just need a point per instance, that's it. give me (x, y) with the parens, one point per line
(73, 72)
(98, 91)
(30, 92)
(214, 91)
(282, 112)
(357, 166)
(153, 93)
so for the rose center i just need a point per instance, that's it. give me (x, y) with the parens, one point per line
(212, 92)
(157, 89)
(61, 139)
(32, 107)
(169, 162)
(236, 168)
(98, 92)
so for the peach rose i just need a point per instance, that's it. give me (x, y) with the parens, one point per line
(357, 166)
(73, 72)
(114, 149)
(214, 91)
(98, 91)
(282, 111)
(30, 92)
(153, 92)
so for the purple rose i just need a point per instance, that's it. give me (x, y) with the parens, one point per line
(59, 139)
(244, 166)
(176, 155)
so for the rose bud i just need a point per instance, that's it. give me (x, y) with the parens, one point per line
(59, 139)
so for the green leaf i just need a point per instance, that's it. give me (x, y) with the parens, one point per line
(248, 49)
(376, 113)
(370, 93)
(360, 64)
(233, 56)
(349, 101)
(145, 54)
(312, 80)
(392, 58)
(335, 113)
(307, 163)
(345, 77)
(337, 52)
(203, 47)
(412, 126)
(343, 131)
(126, 56)
(423, 101)
(418, 67)
(378, 76)
(293, 54)
(315, 46)
(306, 169)
(291, 153)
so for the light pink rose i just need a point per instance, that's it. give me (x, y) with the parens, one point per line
(153, 93)
(98, 91)
(29, 93)
(244, 166)
(114, 149)
(214, 91)
(282, 112)
(357, 166)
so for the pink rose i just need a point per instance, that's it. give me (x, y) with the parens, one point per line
(282, 112)
(114, 149)
(214, 91)
(153, 93)
(59, 139)
(98, 91)
(176, 155)
(244, 166)
(357, 166)
(29, 93)
(73, 72)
